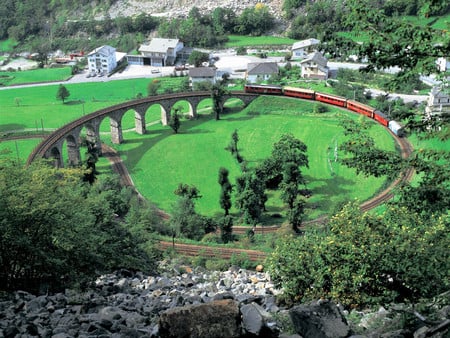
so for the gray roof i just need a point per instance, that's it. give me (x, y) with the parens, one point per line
(262, 68)
(159, 45)
(202, 72)
(316, 57)
(104, 50)
(305, 43)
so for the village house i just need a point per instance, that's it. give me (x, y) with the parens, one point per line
(438, 102)
(202, 74)
(301, 49)
(159, 53)
(314, 66)
(260, 71)
(102, 60)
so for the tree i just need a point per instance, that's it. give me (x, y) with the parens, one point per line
(225, 190)
(233, 147)
(250, 196)
(92, 153)
(174, 121)
(185, 219)
(364, 259)
(218, 92)
(396, 42)
(197, 58)
(58, 230)
(62, 93)
(152, 87)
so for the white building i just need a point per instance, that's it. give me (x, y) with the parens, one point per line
(443, 64)
(159, 53)
(314, 66)
(102, 60)
(438, 102)
(261, 71)
(301, 49)
(202, 74)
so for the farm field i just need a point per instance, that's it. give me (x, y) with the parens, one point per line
(160, 160)
(8, 78)
(252, 41)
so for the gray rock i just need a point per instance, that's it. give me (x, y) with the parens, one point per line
(319, 319)
(221, 318)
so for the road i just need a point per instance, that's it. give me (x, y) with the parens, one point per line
(229, 62)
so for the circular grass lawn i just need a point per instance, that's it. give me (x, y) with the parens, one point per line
(159, 160)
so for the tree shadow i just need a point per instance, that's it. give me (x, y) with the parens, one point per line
(11, 127)
(73, 102)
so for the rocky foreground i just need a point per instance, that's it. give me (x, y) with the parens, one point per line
(185, 303)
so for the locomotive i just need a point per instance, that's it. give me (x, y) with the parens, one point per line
(335, 100)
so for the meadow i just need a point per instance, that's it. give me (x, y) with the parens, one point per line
(256, 41)
(8, 78)
(160, 160)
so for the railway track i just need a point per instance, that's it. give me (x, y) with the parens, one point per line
(210, 252)
(193, 250)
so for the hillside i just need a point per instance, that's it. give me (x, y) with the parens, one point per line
(172, 8)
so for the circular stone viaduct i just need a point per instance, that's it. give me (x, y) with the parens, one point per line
(52, 146)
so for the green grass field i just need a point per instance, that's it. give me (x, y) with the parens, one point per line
(160, 160)
(257, 41)
(18, 149)
(7, 45)
(34, 76)
(38, 106)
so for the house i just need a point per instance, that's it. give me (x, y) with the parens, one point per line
(314, 66)
(301, 49)
(201, 74)
(261, 71)
(159, 53)
(443, 64)
(438, 102)
(102, 60)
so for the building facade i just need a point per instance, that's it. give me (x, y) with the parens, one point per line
(314, 66)
(158, 53)
(261, 71)
(301, 49)
(102, 60)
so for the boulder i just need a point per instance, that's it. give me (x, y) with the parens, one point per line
(215, 319)
(319, 319)
(257, 321)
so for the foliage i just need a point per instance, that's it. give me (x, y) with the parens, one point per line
(250, 196)
(254, 21)
(174, 121)
(363, 259)
(365, 157)
(62, 93)
(395, 42)
(59, 231)
(197, 58)
(225, 190)
(153, 87)
(218, 91)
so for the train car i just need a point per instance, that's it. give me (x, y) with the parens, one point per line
(332, 99)
(360, 108)
(263, 89)
(299, 92)
(381, 118)
(396, 128)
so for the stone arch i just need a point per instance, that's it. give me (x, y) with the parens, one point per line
(184, 104)
(231, 101)
(204, 105)
(73, 150)
(151, 113)
(56, 155)
(93, 132)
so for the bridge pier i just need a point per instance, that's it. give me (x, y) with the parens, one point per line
(93, 135)
(73, 151)
(139, 122)
(116, 131)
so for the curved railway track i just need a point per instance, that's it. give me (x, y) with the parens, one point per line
(193, 250)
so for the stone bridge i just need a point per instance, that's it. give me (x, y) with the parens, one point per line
(70, 134)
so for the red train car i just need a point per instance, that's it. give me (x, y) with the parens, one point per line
(263, 89)
(299, 92)
(360, 108)
(381, 118)
(331, 99)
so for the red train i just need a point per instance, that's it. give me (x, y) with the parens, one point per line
(335, 100)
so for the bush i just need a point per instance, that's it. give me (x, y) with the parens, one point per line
(364, 259)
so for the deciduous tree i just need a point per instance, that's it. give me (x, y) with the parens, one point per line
(62, 93)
